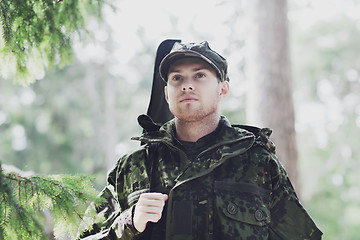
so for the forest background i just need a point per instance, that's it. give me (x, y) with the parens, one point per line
(79, 118)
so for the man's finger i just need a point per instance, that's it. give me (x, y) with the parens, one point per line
(153, 195)
(149, 209)
(151, 202)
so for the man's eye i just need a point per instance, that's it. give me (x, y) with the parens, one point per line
(200, 75)
(176, 78)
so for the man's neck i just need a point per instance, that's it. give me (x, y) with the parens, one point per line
(191, 131)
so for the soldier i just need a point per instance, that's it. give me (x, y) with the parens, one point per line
(198, 177)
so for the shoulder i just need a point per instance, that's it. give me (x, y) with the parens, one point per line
(137, 155)
(129, 162)
(262, 151)
(262, 136)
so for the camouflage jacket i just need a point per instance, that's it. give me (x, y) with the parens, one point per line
(234, 189)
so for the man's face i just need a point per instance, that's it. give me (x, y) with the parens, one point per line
(193, 90)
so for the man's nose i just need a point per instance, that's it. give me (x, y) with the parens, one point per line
(188, 84)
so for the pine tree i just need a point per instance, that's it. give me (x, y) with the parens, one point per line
(23, 200)
(35, 35)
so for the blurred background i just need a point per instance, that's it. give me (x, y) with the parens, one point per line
(80, 118)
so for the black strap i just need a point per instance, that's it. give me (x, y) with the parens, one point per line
(152, 158)
(153, 155)
(158, 110)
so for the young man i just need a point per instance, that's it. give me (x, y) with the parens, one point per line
(197, 177)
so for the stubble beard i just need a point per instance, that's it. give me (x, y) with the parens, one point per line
(193, 115)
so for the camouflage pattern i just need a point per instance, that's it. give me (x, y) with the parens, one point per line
(235, 189)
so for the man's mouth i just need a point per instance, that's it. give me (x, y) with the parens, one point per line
(188, 99)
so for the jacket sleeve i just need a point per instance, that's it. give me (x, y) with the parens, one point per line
(109, 222)
(114, 218)
(289, 220)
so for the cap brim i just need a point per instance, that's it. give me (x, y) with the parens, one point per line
(172, 57)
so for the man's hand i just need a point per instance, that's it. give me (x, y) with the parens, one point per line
(148, 209)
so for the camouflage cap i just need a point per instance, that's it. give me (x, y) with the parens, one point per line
(199, 50)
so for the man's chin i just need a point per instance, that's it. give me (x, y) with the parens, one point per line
(191, 116)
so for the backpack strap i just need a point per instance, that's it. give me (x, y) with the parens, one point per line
(153, 155)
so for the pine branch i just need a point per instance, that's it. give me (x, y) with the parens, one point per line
(66, 196)
(40, 32)
(18, 221)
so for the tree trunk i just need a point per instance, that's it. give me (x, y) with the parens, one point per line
(269, 102)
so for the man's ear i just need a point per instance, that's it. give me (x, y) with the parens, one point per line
(224, 89)
(166, 94)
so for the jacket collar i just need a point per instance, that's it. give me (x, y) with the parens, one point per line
(228, 136)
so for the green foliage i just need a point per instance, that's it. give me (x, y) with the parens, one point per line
(25, 198)
(35, 35)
